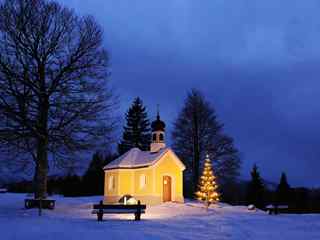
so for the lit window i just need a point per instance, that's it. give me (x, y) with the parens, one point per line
(143, 181)
(111, 184)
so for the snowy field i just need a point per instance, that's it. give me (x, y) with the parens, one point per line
(72, 220)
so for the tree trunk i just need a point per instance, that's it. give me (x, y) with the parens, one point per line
(35, 178)
(196, 151)
(207, 203)
(42, 144)
(41, 170)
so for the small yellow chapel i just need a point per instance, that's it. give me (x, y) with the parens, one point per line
(153, 177)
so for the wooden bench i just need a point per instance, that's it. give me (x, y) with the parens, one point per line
(3, 190)
(275, 209)
(35, 203)
(136, 209)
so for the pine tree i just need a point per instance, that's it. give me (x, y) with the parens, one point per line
(283, 191)
(137, 132)
(93, 178)
(255, 194)
(207, 188)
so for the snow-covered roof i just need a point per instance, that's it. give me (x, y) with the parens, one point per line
(136, 158)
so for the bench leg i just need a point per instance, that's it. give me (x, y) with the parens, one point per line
(137, 216)
(100, 217)
(271, 212)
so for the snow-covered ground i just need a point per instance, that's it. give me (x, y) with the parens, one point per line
(72, 219)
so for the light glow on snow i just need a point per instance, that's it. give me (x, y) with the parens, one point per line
(72, 219)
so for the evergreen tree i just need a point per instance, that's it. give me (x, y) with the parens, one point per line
(207, 189)
(255, 194)
(283, 192)
(93, 179)
(196, 132)
(137, 132)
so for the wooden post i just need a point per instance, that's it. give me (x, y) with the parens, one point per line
(40, 206)
(100, 211)
(138, 213)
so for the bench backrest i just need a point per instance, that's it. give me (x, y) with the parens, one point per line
(278, 206)
(283, 206)
(119, 206)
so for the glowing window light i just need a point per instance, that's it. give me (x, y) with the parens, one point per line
(111, 185)
(143, 181)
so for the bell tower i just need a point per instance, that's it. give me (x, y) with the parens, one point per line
(158, 134)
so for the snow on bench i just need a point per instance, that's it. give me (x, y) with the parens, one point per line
(136, 209)
(37, 203)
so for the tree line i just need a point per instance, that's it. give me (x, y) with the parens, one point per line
(298, 200)
(72, 184)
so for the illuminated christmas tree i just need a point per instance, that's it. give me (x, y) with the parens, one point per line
(207, 185)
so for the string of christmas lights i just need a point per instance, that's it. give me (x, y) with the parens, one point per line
(207, 188)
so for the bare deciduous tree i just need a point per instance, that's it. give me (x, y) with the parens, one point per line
(54, 93)
(196, 133)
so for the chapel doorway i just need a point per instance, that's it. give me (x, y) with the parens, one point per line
(166, 189)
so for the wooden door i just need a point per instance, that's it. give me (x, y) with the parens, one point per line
(166, 189)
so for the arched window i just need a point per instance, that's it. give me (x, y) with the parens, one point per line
(154, 137)
(111, 184)
(143, 181)
(161, 137)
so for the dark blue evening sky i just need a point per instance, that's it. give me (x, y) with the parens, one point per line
(258, 62)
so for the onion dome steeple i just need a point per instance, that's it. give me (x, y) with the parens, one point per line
(158, 124)
(158, 133)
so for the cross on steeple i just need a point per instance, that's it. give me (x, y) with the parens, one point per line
(158, 111)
